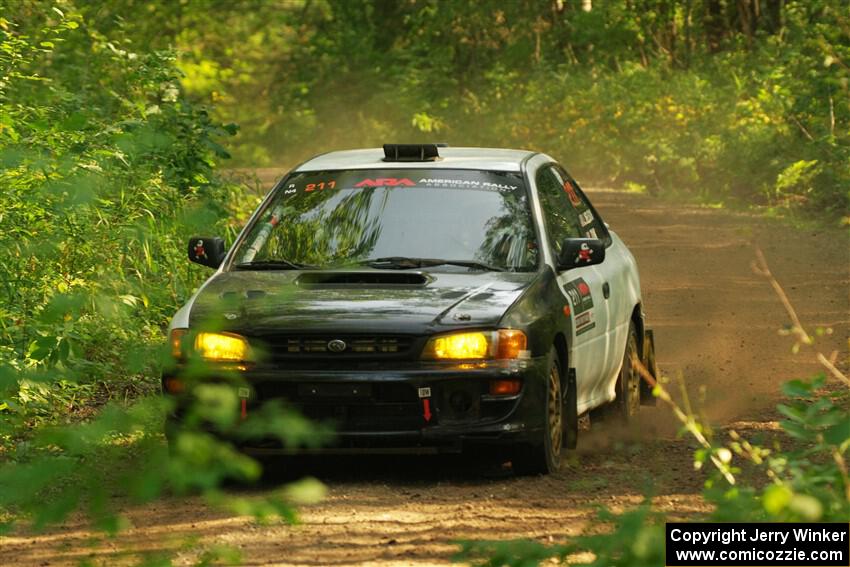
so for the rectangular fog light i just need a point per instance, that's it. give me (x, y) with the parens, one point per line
(505, 387)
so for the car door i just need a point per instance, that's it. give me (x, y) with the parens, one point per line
(616, 299)
(581, 288)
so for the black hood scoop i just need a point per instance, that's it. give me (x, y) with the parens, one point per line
(365, 279)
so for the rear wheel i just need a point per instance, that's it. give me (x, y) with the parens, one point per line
(646, 396)
(545, 457)
(627, 404)
(570, 411)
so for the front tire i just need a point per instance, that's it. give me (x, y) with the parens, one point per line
(544, 457)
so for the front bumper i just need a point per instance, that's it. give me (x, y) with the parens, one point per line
(422, 407)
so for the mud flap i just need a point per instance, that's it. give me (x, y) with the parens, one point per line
(570, 420)
(648, 360)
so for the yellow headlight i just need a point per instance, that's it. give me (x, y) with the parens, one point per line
(461, 346)
(477, 345)
(222, 347)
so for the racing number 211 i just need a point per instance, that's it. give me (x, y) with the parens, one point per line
(319, 186)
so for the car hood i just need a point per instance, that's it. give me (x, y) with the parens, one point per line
(416, 302)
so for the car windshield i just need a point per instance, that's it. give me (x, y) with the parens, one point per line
(394, 219)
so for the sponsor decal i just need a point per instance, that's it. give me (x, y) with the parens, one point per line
(591, 233)
(199, 250)
(407, 182)
(584, 253)
(586, 218)
(386, 182)
(466, 183)
(582, 301)
(319, 186)
(571, 193)
(584, 322)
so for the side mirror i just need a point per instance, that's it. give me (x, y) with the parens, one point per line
(580, 252)
(207, 251)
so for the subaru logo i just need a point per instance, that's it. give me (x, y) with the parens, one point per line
(336, 345)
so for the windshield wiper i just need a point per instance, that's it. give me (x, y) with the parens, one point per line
(272, 265)
(404, 263)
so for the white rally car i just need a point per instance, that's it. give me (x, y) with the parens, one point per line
(427, 298)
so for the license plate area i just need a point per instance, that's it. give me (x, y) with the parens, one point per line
(337, 391)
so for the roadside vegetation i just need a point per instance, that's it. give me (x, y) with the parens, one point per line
(800, 474)
(728, 101)
(107, 168)
(116, 120)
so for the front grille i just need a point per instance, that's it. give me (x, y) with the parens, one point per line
(288, 347)
(374, 417)
(370, 345)
(336, 392)
(362, 406)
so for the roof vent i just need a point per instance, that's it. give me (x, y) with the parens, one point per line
(411, 152)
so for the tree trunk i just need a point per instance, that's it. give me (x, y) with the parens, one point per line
(714, 25)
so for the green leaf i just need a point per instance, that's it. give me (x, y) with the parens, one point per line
(776, 498)
(839, 434)
(305, 491)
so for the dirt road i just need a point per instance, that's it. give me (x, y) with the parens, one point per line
(716, 322)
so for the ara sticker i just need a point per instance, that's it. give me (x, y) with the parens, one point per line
(582, 301)
(586, 217)
(386, 182)
(591, 233)
(571, 193)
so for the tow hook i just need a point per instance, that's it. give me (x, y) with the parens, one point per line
(425, 396)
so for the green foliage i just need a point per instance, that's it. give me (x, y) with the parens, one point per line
(708, 99)
(809, 480)
(108, 162)
(632, 539)
(107, 168)
(805, 481)
(704, 99)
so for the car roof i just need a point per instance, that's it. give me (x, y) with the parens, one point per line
(487, 159)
